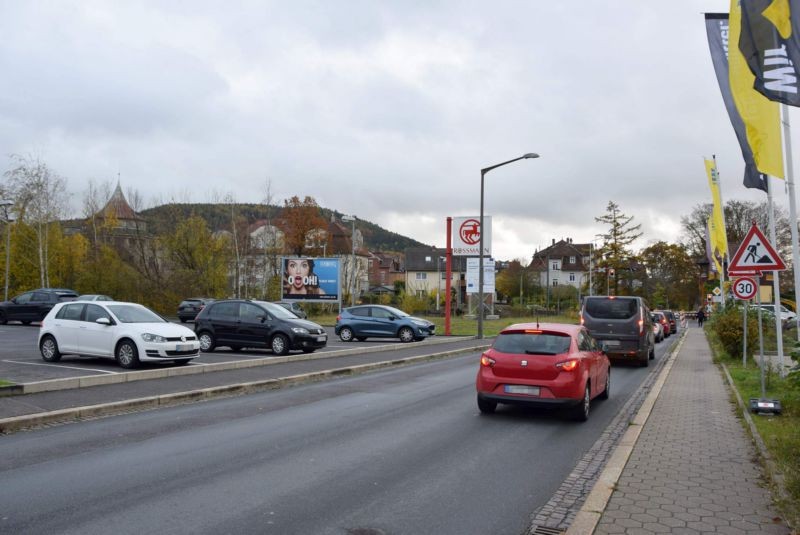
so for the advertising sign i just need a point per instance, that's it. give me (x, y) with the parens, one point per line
(467, 235)
(472, 275)
(310, 279)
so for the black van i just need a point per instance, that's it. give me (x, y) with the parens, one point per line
(622, 324)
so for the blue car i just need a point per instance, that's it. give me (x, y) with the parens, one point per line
(379, 321)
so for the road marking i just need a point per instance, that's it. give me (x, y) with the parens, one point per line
(61, 366)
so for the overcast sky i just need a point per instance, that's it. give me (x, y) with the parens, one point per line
(386, 110)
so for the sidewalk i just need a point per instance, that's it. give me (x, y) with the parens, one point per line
(691, 468)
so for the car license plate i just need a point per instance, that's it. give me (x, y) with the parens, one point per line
(611, 342)
(520, 389)
(183, 347)
(321, 338)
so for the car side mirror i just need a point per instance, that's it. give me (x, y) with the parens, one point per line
(103, 321)
(14, 300)
(262, 318)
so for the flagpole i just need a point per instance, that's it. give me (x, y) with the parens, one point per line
(776, 287)
(787, 143)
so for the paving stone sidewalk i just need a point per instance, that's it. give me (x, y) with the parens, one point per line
(692, 469)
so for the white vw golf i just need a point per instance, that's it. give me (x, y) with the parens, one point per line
(127, 332)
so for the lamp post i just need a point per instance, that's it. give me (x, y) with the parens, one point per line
(352, 218)
(480, 245)
(5, 203)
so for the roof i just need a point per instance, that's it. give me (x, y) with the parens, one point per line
(118, 207)
(425, 259)
(562, 250)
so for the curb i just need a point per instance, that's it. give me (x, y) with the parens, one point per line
(127, 377)
(587, 518)
(8, 425)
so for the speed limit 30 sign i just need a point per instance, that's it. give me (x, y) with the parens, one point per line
(745, 288)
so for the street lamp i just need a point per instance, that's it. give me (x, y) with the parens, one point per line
(480, 252)
(5, 203)
(352, 218)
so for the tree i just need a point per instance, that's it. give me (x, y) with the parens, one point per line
(302, 218)
(615, 253)
(672, 276)
(510, 281)
(40, 200)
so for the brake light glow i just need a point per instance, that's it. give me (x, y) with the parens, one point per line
(641, 321)
(532, 331)
(339, 317)
(487, 361)
(582, 320)
(567, 365)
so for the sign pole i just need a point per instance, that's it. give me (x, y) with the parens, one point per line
(449, 268)
(744, 342)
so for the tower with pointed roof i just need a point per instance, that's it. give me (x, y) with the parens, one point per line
(119, 214)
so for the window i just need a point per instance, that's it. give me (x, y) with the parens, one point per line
(24, 298)
(360, 311)
(422, 276)
(226, 311)
(555, 266)
(381, 313)
(95, 312)
(251, 313)
(571, 259)
(70, 312)
(40, 297)
(555, 282)
(420, 293)
(572, 277)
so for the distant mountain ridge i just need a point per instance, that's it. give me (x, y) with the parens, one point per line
(218, 216)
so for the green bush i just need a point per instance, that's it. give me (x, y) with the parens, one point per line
(727, 325)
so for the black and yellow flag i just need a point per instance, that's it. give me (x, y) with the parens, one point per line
(770, 43)
(718, 30)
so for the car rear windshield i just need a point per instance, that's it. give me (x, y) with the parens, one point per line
(612, 309)
(532, 343)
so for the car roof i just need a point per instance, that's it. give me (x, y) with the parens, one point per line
(566, 328)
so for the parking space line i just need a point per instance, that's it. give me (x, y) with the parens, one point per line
(61, 366)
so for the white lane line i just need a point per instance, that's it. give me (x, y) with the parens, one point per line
(61, 366)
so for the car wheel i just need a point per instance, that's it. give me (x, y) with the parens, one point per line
(486, 406)
(49, 349)
(607, 390)
(280, 344)
(582, 410)
(346, 334)
(652, 353)
(127, 354)
(361, 338)
(406, 334)
(207, 343)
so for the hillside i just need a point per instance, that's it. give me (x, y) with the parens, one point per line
(218, 216)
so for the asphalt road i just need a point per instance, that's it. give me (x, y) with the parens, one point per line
(403, 451)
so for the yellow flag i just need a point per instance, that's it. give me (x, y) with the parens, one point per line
(719, 237)
(711, 249)
(761, 116)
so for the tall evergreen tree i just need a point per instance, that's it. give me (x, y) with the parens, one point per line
(615, 253)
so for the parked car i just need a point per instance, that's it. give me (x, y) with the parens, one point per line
(128, 332)
(663, 321)
(291, 306)
(658, 329)
(239, 323)
(34, 305)
(543, 365)
(786, 314)
(94, 297)
(380, 321)
(673, 321)
(190, 308)
(622, 324)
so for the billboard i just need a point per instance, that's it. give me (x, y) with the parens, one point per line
(310, 279)
(473, 276)
(467, 235)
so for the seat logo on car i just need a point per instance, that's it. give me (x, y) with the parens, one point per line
(524, 363)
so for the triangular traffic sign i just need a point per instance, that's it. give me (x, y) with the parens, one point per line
(755, 253)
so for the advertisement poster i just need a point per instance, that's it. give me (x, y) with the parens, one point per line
(310, 279)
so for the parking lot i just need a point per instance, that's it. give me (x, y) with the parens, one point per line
(20, 361)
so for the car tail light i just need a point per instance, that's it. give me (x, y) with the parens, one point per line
(582, 320)
(339, 317)
(641, 321)
(487, 361)
(567, 365)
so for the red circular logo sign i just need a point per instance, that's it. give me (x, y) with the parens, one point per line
(470, 231)
(745, 288)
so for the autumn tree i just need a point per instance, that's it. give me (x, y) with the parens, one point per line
(512, 280)
(672, 276)
(615, 252)
(302, 219)
(40, 200)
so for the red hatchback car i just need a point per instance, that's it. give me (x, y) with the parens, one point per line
(543, 365)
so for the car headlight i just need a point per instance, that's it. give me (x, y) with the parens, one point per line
(421, 323)
(299, 330)
(155, 338)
